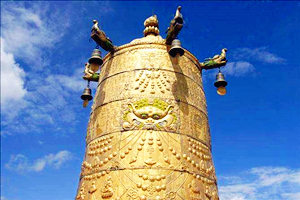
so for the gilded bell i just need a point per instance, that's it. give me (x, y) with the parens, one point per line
(86, 96)
(96, 57)
(176, 48)
(220, 84)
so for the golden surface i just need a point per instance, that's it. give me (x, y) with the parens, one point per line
(148, 135)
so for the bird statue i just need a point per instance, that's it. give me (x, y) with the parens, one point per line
(178, 16)
(175, 26)
(216, 61)
(95, 27)
(100, 38)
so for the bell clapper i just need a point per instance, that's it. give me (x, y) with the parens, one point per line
(85, 103)
(221, 90)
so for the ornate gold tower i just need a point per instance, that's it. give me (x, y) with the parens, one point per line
(148, 135)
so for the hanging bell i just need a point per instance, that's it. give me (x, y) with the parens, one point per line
(220, 84)
(176, 48)
(96, 57)
(86, 96)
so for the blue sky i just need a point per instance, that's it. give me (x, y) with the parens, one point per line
(255, 128)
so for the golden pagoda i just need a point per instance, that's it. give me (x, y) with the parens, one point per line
(148, 135)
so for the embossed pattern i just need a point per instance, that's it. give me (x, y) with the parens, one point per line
(148, 135)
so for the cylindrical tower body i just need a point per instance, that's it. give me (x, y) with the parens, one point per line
(148, 135)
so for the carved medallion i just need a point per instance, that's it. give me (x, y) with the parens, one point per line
(156, 115)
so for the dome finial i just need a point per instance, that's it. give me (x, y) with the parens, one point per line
(151, 26)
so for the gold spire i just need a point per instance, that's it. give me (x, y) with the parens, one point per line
(151, 26)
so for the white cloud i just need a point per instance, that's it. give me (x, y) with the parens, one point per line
(291, 196)
(239, 68)
(259, 54)
(26, 30)
(262, 183)
(236, 191)
(47, 105)
(12, 78)
(21, 163)
(270, 175)
(12, 85)
(36, 98)
(72, 82)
